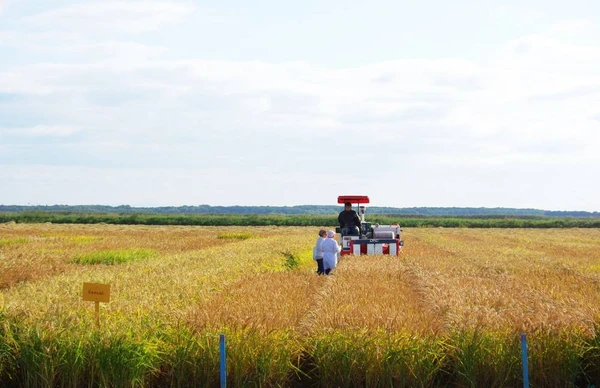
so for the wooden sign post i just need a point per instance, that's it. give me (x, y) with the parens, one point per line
(97, 293)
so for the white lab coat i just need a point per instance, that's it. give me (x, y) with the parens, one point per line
(318, 249)
(331, 252)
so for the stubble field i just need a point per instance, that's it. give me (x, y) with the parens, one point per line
(448, 312)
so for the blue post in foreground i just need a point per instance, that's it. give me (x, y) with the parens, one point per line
(223, 361)
(525, 361)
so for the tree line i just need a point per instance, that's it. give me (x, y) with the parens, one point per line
(295, 210)
(298, 220)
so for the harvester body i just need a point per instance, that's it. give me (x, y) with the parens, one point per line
(371, 239)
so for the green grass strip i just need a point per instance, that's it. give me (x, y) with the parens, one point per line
(5, 242)
(235, 236)
(113, 256)
(493, 221)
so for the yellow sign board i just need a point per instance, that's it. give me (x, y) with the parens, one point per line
(95, 292)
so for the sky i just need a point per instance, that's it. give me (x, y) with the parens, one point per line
(469, 103)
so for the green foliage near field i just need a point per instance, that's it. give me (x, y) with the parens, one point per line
(299, 220)
(182, 358)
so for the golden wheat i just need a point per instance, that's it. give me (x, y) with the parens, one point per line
(455, 300)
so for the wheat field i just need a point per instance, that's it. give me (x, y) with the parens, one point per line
(447, 312)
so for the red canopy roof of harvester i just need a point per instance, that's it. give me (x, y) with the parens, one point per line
(353, 199)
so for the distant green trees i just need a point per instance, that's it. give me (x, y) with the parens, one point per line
(294, 210)
(298, 220)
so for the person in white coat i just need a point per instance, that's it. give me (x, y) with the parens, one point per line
(318, 251)
(331, 252)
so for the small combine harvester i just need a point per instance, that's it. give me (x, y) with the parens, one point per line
(371, 239)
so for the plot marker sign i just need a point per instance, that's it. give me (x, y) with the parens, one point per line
(94, 292)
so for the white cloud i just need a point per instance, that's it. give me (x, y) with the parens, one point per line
(41, 130)
(517, 14)
(582, 30)
(127, 16)
(527, 107)
(471, 101)
(85, 49)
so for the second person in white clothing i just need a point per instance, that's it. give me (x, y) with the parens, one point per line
(331, 252)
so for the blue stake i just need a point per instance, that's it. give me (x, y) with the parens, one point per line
(223, 363)
(525, 362)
